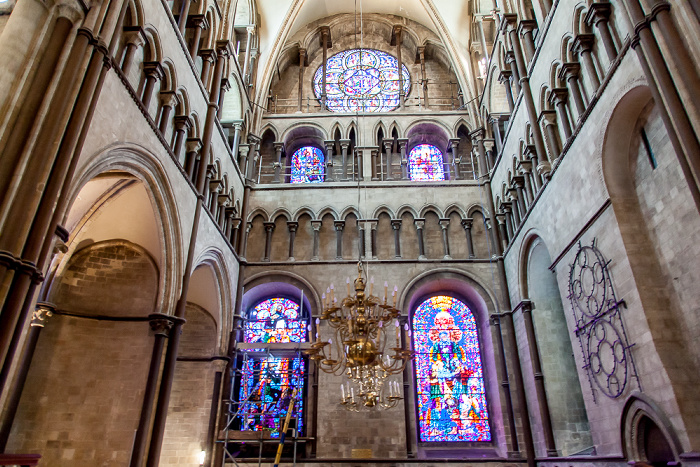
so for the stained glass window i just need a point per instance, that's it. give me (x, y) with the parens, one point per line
(307, 165)
(267, 382)
(362, 80)
(425, 163)
(449, 375)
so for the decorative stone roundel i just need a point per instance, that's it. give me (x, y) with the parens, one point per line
(361, 80)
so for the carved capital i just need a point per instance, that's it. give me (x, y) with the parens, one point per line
(292, 226)
(160, 324)
(269, 226)
(419, 223)
(396, 224)
(168, 99)
(41, 314)
(597, 12)
(583, 43)
(467, 223)
(339, 225)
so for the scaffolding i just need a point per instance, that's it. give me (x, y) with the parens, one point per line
(240, 413)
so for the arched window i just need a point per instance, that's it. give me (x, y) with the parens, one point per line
(425, 163)
(449, 376)
(267, 381)
(307, 165)
(362, 80)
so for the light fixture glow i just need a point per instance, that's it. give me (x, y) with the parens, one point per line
(202, 456)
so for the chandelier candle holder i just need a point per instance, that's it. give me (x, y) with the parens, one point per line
(366, 345)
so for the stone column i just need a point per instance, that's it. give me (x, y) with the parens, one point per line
(225, 85)
(317, 232)
(325, 39)
(525, 167)
(235, 232)
(526, 307)
(154, 73)
(508, 211)
(161, 325)
(292, 226)
(489, 146)
(269, 228)
(558, 99)
(208, 57)
(454, 149)
(598, 15)
(344, 145)
(420, 223)
(246, 234)
(182, 124)
(182, 17)
(250, 31)
(361, 232)
(302, 64)
(467, 225)
(253, 156)
(583, 46)
(503, 228)
(388, 143)
(168, 101)
(482, 39)
(515, 73)
(197, 23)
(525, 29)
(360, 162)
(192, 148)
(329, 161)
(229, 214)
(396, 39)
(541, 169)
(518, 211)
(477, 137)
(373, 238)
(424, 79)
(505, 78)
(223, 201)
(134, 37)
(339, 225)
(569, 73)
(244, 152)
(404, 158)
(375, 175)
(236, 141)
(396, 226)
(548, 121)
(523, 201)
(444, 224)
(279, 147)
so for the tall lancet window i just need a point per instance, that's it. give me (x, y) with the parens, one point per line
(268, 381)
(362, 80)
(425, 163)
(449, 376)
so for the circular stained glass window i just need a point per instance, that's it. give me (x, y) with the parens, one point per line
(362, 80)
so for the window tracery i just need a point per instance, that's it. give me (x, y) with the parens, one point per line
(362, 80)
(449, 375)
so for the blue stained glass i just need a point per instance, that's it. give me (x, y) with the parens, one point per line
(449, 376)
(425, 163)
(307, 165)
(362, 80)
(267, 383)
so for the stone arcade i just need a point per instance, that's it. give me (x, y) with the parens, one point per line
(181, 181)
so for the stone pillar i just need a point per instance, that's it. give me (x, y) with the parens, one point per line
(246, 234)
(396, 226)
(154, 73)
(505, 78)
(302, 64)
(526, 307)
(523, 202)
(424, 79)
(229, 214)
(489, 146)
(583, 46)
(516, 206)
(525, 168)
(250, 31)
(235, 232)
(329, 161)
(396, 37)
(339, 225)
(373, 238)
(454, 149)
(182, 17)
(182, 124)
(325, 38)
(375, 174)
(558, 99)
(292, 226)
(599, 15)
(236, 141)
(541, 169)
(525, 29)
(515, 73)
(225, 85)
(503, 228)
(467, 225)
(279, 147)
(192, 148)
(482, 39)
(317, 232)
(253, 156)
(388, 143)
(548, 121)
(510, 227)
(569, 73)
(344, 145)
(244, 152)
(197, 23)
(269, 228)
(223, 201)
(361, 232)
(208, 57)
(168, 101)
(134, 37)
(477, 137)
(404, 158)
(360, 162)
(420, 223)
(444, 224)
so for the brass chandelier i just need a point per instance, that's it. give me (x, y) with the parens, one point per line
(363, 346)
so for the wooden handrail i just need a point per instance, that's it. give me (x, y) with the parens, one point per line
(23, 460)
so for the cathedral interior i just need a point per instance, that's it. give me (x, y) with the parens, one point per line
(350, 233)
